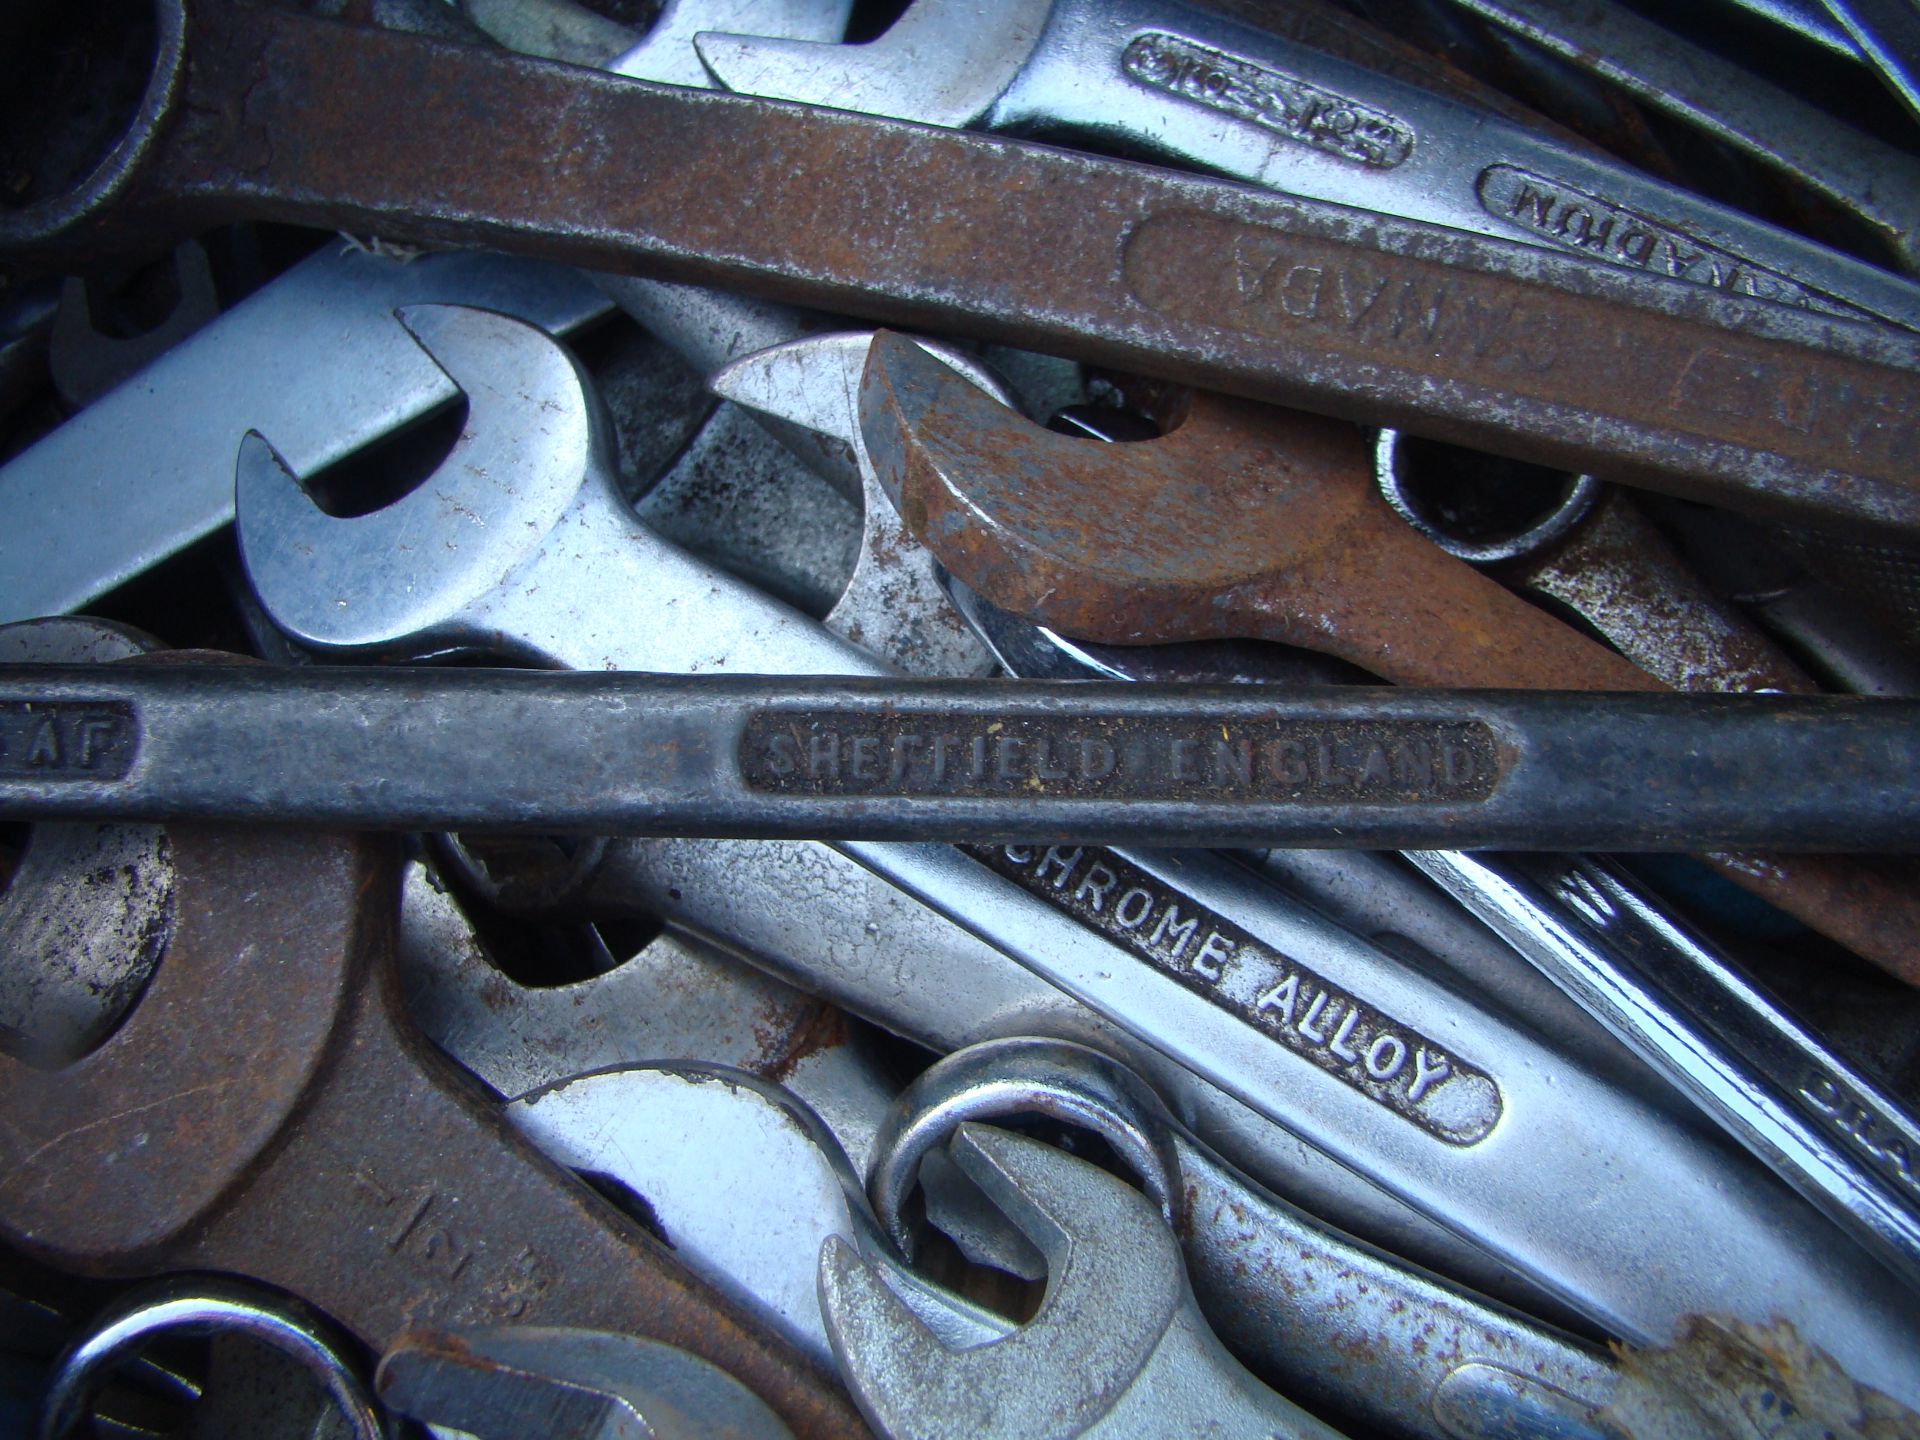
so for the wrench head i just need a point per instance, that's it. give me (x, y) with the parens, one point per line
(1128, 543)
(534, 438)
(808, 391)
(533, 1382)
(941, 63)
(1114, 1286)
(666, 55)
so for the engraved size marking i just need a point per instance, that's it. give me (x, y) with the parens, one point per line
(1382, 1057)
(1039, 756)
(1589, 225)
(416, 1226)
(67, 739)
(1465, 326)
(1844, 1117)
(1270, 98)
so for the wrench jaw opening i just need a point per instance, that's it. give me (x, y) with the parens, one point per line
(977, 63)
(536, 436)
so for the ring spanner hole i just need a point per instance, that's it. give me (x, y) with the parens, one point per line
(72, 77)
(1481, 502)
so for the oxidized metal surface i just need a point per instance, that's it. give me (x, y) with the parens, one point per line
(267, 1111)
(1242, 521)
(281, 116)
(1266, 523)
(1624, 578)
(825, 757)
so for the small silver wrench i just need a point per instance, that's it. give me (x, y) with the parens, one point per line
(1339, 1326)
(1119, 1347)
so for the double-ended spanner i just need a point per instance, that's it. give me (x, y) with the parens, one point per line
(1494, 344)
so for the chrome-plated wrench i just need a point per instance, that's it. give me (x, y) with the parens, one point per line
(1867, 178)
(1118, 1347)
(1234, 99)
(1729, 1235)
(1713, 1031)
(1337, 1326)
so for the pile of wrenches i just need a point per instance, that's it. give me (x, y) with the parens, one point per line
(1285, 807)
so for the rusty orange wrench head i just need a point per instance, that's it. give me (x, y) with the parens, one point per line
(1240, 521)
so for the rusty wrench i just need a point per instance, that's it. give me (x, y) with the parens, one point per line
(1483, 342)
(1302, 549)
(266, 1111)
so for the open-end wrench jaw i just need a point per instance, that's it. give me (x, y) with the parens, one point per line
(940, 63)
(534, 432)
(1114, 1286)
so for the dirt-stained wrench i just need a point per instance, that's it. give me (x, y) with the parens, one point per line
(1339, 1326)
(1285, 538)
(266, 1111)
(1118, 1348)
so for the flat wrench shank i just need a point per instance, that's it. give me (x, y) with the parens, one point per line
(826, 757)
(1486, 343)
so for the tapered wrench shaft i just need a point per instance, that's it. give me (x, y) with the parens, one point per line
(275, 115)
(956, 760)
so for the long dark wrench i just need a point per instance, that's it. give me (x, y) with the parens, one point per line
(270, 114)
(266, 1110)
(1261, 524)
(603, 754)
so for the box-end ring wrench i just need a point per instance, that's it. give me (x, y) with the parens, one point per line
(1333, 1324)
(281, 115)
(1595, 553)
(1307, 553)
(206, 1305)
(1118, 1347)
(1729, 1236)
(1599, 556)
(1232, 98)
(280, 1120)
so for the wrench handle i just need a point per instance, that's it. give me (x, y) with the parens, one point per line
(1391, 601)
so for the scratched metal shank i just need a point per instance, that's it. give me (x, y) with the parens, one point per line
(1567, 361)
(778, 757)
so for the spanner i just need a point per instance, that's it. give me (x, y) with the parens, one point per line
(743, 1177)
(871, 948)
(1729, 1236)
(1306, 554)
(537, 1382)
(1118, 1347)
(565, 30)
(1874, 181)
(677, 999)
(1183, 276)
(1231, 98)
(1698, 1018)
(94, 946)
(1333, 1324)
(772, 757)
(1888, 35)
(1595, 553)
(150, 464)
(147, 1154)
